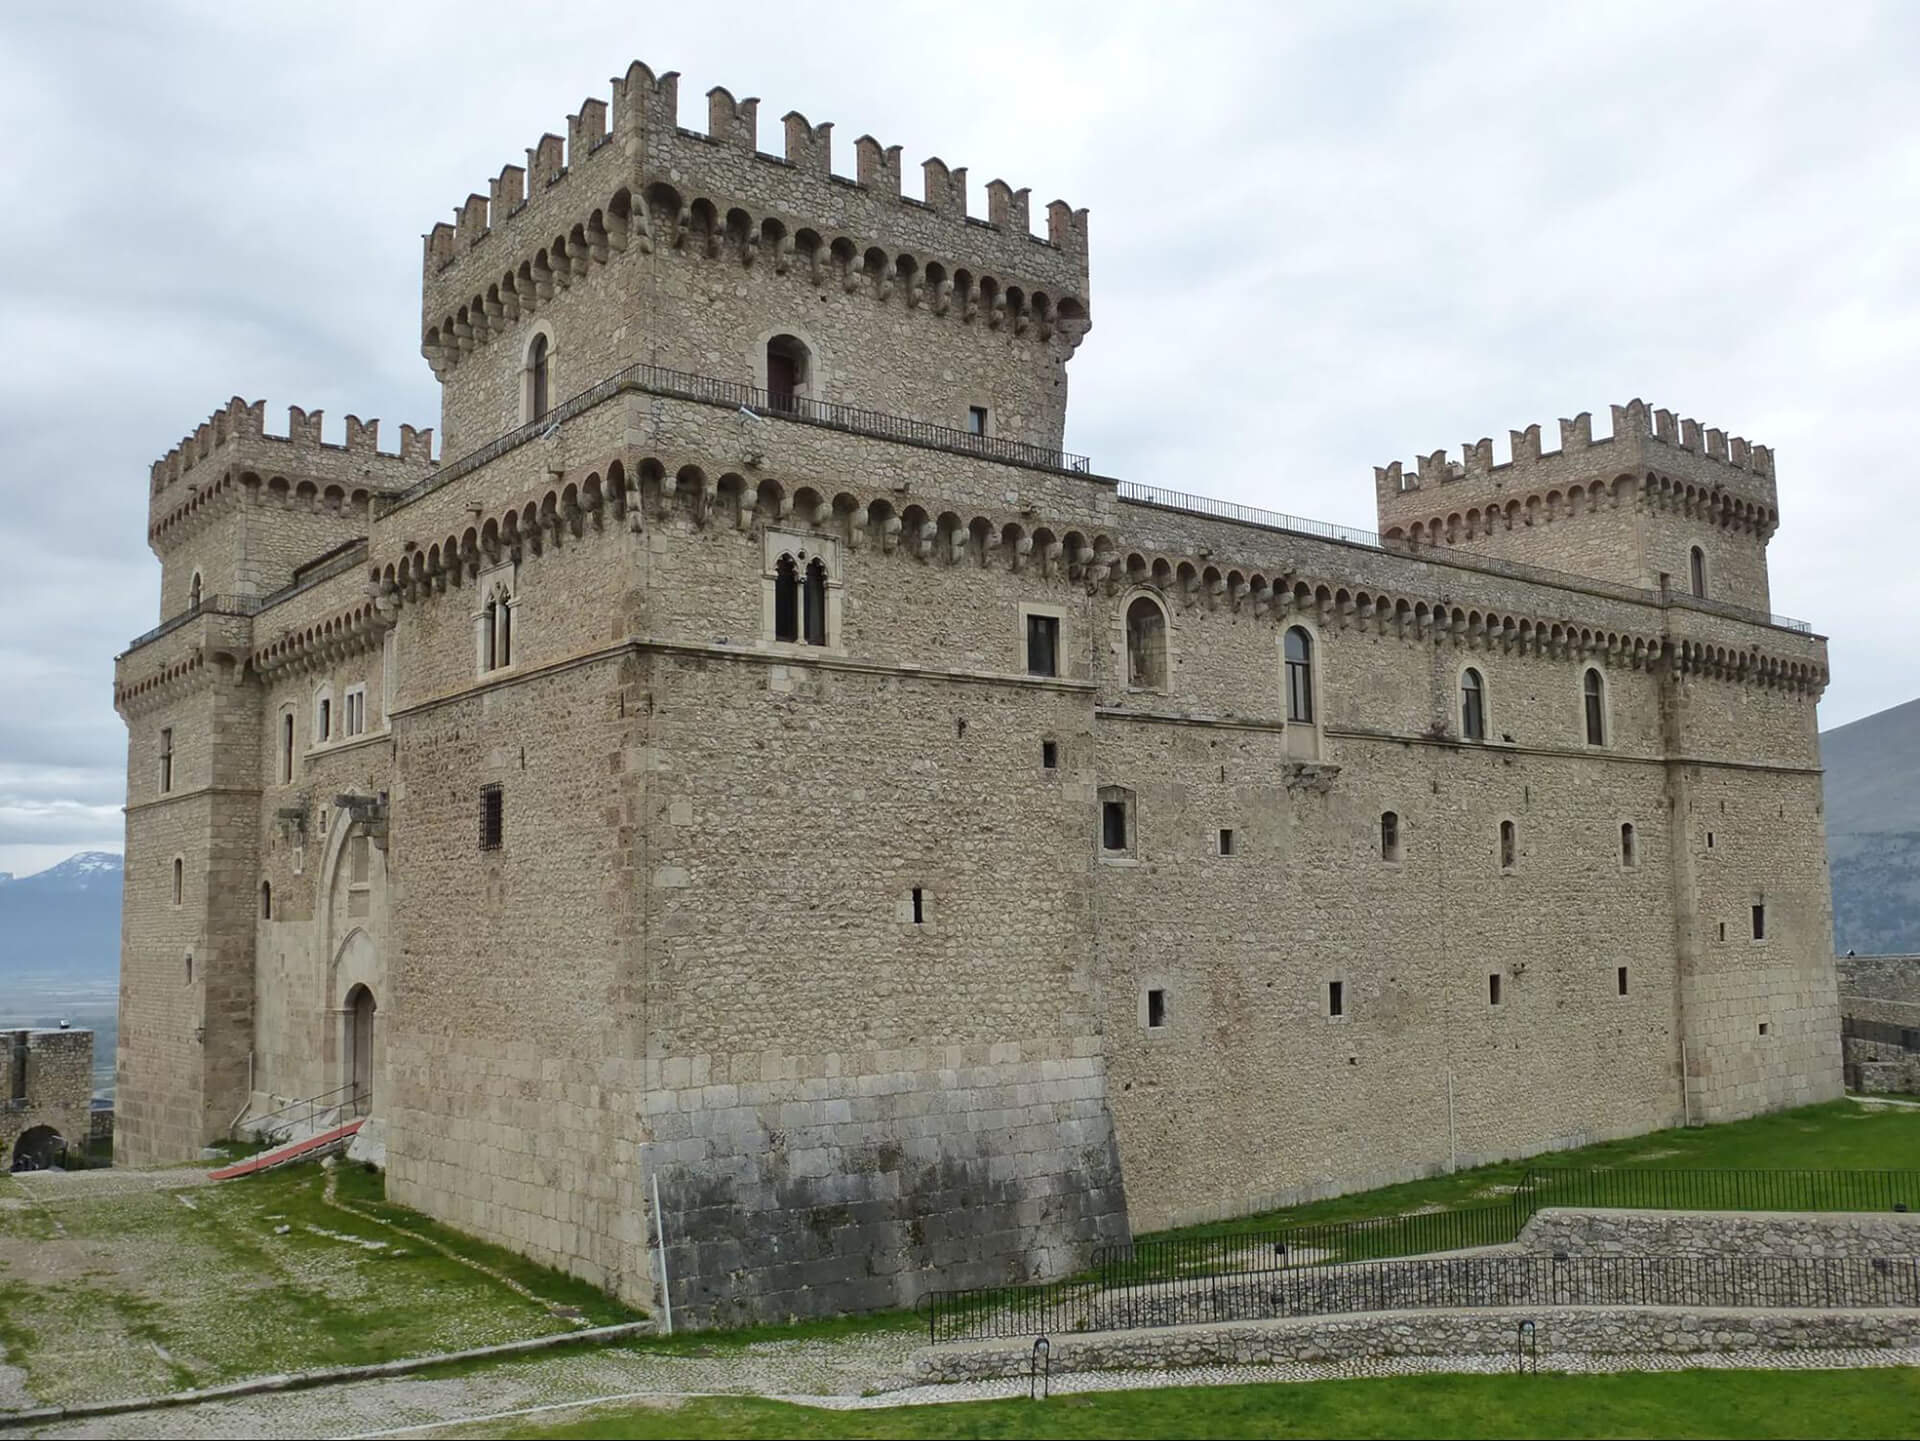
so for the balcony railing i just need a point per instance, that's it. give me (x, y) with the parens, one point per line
(207, 605)
(733, 395)
(1138, 494)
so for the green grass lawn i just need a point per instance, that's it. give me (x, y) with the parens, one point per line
(1840, 1135)
(1681, 1403)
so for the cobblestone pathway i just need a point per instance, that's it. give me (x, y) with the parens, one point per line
(821, 1373)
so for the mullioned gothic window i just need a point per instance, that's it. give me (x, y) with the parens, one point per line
(800, 601)
(494, 628)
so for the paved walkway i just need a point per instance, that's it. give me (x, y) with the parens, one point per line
(830, 1374)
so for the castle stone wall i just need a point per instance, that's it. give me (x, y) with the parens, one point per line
(813, 936)
(51, 1076)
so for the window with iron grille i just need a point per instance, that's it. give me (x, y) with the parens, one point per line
(492, 817)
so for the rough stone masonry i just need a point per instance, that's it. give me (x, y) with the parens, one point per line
(755, 760)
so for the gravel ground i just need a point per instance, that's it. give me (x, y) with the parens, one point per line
(829, 1374)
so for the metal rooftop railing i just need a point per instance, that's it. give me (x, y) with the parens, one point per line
(1138, 494)
(684, 385)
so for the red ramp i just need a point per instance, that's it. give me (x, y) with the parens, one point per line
(293, 1151)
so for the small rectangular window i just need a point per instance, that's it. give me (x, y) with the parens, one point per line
(1709, 840)
(357, 850)
(1050, 755)
(1113, 825)
(166, 759)
(1493, 988)
(976, 420)
(1226, 842)
(324, 725)
(492, 817)
(1043, 645)
(286, 747)
(1156, 1009)
(1509, 846)
(1759, 923)
(1336, 998)
(1763, 1028)
(919, 906)
(1620, 979)
(1389, 835)
(1723, 930)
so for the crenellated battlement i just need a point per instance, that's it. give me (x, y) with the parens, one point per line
(1642, 439)
(232, 454)
(626, 170)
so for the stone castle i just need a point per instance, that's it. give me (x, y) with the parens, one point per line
(756, 762)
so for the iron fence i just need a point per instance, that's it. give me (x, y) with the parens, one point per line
(1728, 1189)
(208, 605)
(1139, 494)
(710, 390)
(1881, 1033)
(1499, 1223)
(1771, 1282)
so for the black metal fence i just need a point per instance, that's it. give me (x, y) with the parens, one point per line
(1729, 1189)
(659, 380)
(1881, 1033)
(1456, 1284)
(1170, 1273)
(1499, 1222)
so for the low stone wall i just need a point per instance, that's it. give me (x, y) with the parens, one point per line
(1557, 1331)
(1746, 1234)
(1874, 1067)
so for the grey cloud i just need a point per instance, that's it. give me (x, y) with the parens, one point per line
(1324, 237)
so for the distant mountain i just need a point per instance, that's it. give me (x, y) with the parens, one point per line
(63, 922)
(1873, 831)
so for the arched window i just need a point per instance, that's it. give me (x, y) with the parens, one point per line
(789, 371)
(1509, 846)
(1628, 856)
(179, 878)
(814, 598)
(1697, 563)
(266, 900)
(786, 599)
(537, 379)
(193, 592)
(1473, 705)
(1389, 835)
(1299, 654)
(496, 630)
(1596, 708)
(1146, 645)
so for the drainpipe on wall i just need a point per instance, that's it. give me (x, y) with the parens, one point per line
(246, 1105)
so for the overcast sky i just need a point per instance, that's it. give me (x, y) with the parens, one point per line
(1323, 238)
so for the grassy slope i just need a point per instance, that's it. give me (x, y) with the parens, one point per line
(158, 1291)
(1840, 1135)
(1683, 1403)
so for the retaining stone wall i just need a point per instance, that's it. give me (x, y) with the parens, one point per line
(1607, 1232)
(1558, 1331)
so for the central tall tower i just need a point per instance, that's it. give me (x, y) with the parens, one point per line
(704, 254)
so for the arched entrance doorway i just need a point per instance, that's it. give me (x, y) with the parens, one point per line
(359, 1049)
(38, 1148)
